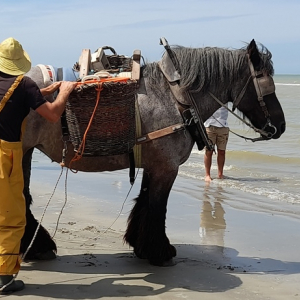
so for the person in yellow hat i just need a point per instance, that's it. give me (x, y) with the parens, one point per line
(18, 94)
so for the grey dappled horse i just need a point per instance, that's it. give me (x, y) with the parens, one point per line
(205, 72)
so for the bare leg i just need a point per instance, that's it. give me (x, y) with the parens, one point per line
(221, 162)
(207, 164)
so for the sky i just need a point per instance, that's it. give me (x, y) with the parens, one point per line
(55, 32)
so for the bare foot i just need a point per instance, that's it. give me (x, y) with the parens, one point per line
(221, 176)
(208, 178)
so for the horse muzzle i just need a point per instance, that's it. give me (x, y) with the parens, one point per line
(270, 131)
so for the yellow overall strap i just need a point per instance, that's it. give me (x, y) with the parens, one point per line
(10, 91)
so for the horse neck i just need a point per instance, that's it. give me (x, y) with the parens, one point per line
(221, 72)
(207, 105)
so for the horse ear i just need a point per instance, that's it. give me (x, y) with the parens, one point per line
(253, 52)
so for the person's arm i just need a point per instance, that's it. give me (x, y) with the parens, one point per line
(52, 111)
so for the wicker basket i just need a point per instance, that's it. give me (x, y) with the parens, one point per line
(112, 131)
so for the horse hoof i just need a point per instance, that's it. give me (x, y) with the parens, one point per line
(160, 263)
(173, 251)
(140, 254)
(49, 255)
(169, 263)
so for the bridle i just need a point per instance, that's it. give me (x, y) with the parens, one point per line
(264, 85)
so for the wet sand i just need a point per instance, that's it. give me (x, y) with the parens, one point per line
(225, 250)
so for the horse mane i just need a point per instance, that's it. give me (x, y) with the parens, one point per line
(201, 66)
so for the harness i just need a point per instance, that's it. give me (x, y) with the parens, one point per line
(263, 83)
(186, 103)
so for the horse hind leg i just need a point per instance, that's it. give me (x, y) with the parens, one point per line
(43, 247)
(146, 223)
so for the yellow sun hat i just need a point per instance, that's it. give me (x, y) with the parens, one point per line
(13, 59)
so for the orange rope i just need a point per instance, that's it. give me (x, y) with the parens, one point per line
(79, 153)
(110, 79)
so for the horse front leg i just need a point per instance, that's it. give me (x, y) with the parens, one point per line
(43, 247)
(146, 230)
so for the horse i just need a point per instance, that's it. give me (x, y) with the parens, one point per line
(208, 73)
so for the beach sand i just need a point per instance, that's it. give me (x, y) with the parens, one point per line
(225, 250)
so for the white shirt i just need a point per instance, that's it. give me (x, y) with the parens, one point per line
(218, 119)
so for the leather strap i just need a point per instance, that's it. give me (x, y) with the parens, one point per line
(159, 133)
(10, 91)
(197, 131)
(260, 96)
(60, 74)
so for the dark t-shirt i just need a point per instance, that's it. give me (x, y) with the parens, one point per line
(27, 95)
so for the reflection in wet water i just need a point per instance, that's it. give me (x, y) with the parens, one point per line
(212, 221)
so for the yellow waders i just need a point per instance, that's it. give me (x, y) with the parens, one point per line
(12, 201)
(12, 206)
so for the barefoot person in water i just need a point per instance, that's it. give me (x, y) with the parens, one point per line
(218, 132)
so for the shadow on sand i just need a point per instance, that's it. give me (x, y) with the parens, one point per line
(197, 269)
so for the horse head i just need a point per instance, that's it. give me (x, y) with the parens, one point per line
(258, 100)
(242, 76)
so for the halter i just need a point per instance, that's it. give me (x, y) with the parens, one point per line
(264, 85)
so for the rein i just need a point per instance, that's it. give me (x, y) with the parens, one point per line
(245, 122)
(263, 87)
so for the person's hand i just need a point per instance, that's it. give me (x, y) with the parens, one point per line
(67, 86)
(50, 89)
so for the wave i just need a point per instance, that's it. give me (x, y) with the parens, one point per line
(255, 157)
(272, 188)
(272, 177)
(289, 84)
(264, 158)
(271, 193)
